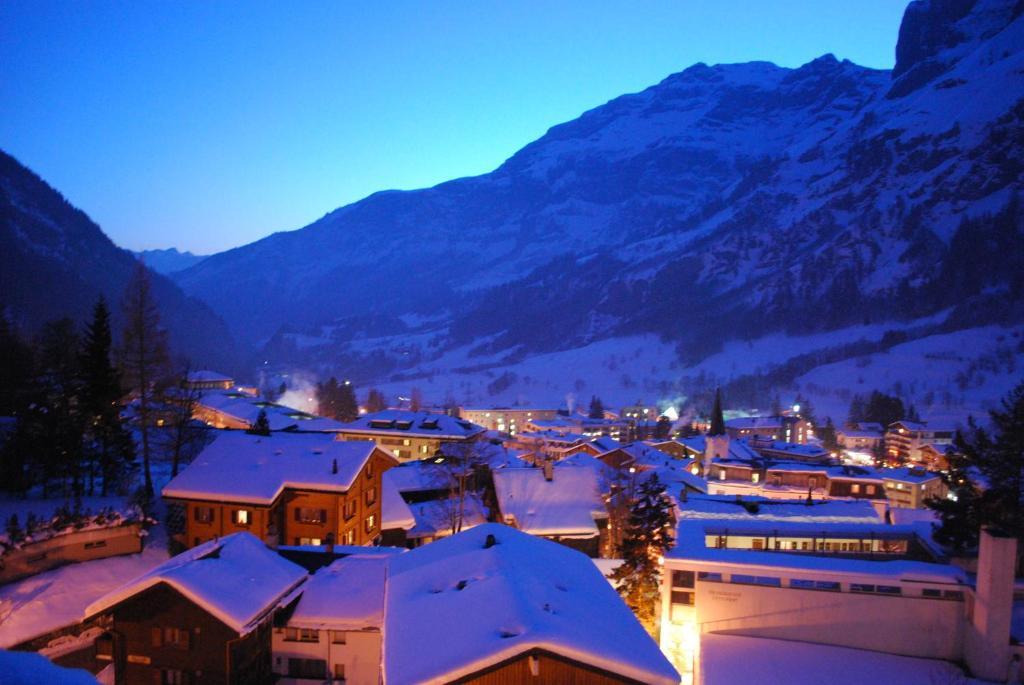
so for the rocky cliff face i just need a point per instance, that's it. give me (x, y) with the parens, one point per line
(724, 202)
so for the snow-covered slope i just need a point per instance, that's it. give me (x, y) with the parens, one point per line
(727, 202)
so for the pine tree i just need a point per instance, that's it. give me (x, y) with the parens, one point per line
(663, 429)
(261, 426)
(63, 422)
(999, 460)
(375, 401)
(856, 412)
(107, 439)
(348, 406)
(717, 417)
(144, 356)
(648, 537)
(327, 398)
(596, 408)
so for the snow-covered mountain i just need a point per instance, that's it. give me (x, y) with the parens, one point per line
(728, 202)
(169, 260)
(55, 262)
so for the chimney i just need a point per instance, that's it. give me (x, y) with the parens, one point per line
(549, 471)
(490, 541)
(987, 648)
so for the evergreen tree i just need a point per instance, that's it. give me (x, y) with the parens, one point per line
(806, 410)
(648, 537)
(261, 426)
(327, 398)
(857, 410)
(18, 399)
(348, 406)
(596, 408)
(717, 417)
(776, 408)
(62, 428)
(107, 440)
(827, 433)
(375, 401)
(998, 461)
(883, 409)
(143, 356)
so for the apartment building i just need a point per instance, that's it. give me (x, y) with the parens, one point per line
(410, 435)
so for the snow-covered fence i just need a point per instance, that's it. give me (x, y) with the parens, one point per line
(59, 542)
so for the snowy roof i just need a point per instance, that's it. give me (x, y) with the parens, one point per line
(246, 409)
(796, 449)
(434, 518)
(752, 422)
(605, 443)
(908, 474)
(239, 467)
(551, 436)
(413, 476)
(456, 607)
(565, 505)
(418, 423)
(207, 376)
(868, 434)
(395, 513)
(763, 509)
(347, 595)
(237, 579)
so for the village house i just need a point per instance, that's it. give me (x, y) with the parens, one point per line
(561, 503)
(204, 616)
(495, 605)
(208, 380)
(330, 629)
(582, 425)
(509, 420)
(239, 410)
(410, 435)
(912, 487)
(859, 440)
(828, 574)
(298, 489)
(905, 439)
(787, 428)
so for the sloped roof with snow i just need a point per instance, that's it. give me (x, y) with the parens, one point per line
(394, 513)
(455, 607)
(255, 469)
(434, 518)
(246, 409)
(565, 505)
(208, 376)
(347, 595)
(414, 423)
(237, 579)
(754, 422)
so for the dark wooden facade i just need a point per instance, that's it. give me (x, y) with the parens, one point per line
(161, 636)
(540, 667)
(349, 518)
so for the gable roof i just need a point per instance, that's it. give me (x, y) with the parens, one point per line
(414, 423)
(236, 579)
(347, 595)
(455, 607)
(565, 505)
(255, 469)
(246, 409)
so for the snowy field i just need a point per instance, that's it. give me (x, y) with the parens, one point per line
(945, 376)
(619, 370)
(735, 660)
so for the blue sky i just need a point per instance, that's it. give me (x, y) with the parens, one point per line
(208, 125)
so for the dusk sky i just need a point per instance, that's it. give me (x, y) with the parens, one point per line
(204, 126)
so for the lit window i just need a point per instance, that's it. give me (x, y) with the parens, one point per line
(242, 517)
(371, 523)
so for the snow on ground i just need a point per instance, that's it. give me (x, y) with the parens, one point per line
(740, 357)
(945, 376)
(34, 606)
(619, 370)
(736, 660)
(28, 668)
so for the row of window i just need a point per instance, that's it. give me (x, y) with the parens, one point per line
(179, 638)
(890, 547)
(314, 669)
(338, 637)
(683, 584)
(243, 517)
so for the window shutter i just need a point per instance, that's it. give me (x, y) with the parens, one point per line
(323, 516)
(158, 637)
(297, 516)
